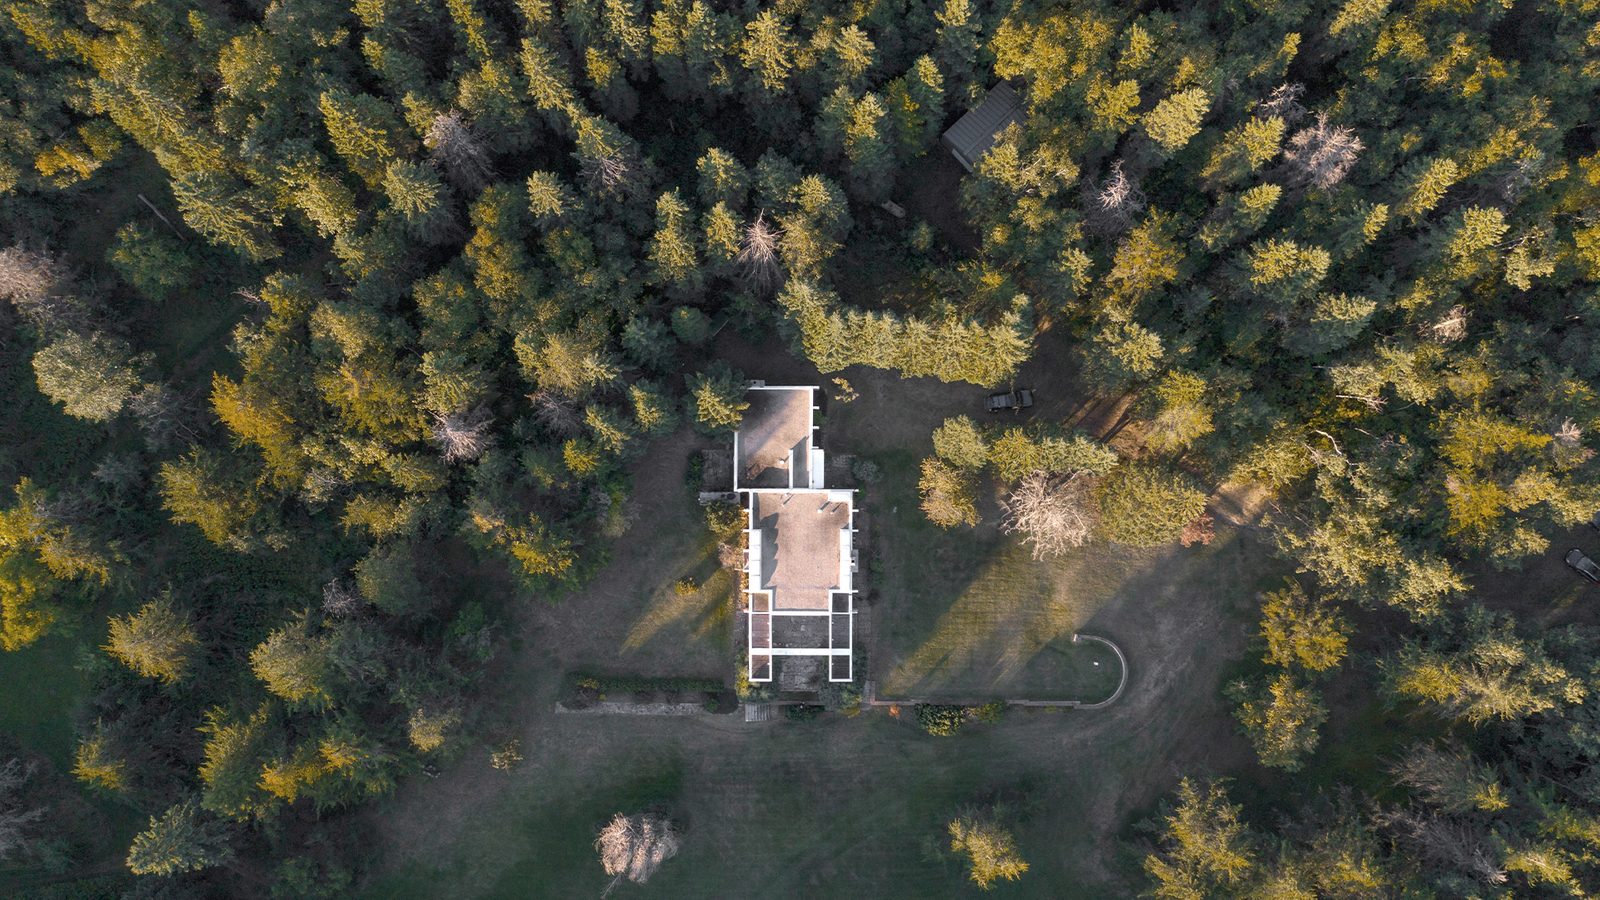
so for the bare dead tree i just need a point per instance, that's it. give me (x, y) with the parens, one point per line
(634, 847)
(1566, 444)
(758, 253)
(1519, 177)
(1284, 103)
(462, 436)
(1053, 513)
(340, 600)
(119, 471)
(27, 274)
(1448, 779)
(1323, 154)
(42, 291)
(1116, 201)
(1568, 435)
(164, 415)
(1450, 327)
(15, 817)
(556, 413)
(454, 148)
(1446, 841)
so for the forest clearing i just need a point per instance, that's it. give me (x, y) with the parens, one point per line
(502, 448)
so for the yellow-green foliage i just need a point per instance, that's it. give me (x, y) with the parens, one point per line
(1302, 632)
(990, 850)
(949, 495)
(156, 642)
(1282, 722)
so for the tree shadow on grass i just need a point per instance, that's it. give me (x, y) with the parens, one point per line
(698, 614)
(990, 637)
(557, 838)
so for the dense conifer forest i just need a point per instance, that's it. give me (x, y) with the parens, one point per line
(333, 331)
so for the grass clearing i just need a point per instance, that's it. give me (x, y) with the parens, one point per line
(634, 618)
(968, 613)
(842, 806)
(43, 687)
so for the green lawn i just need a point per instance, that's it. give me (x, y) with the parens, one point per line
(968, 613)
(42, 689)
(825, 808)
(631, 617)
(842, 806)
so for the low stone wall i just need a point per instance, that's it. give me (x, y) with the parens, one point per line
(617, 708)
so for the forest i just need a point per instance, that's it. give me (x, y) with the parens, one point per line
(333, 334)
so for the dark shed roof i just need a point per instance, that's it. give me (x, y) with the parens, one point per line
(974, 133)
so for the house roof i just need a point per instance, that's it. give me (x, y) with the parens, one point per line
(974, 133)
(801, 547)
(772, 448)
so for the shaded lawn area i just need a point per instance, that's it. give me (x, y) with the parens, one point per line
(825, 808)
(631, 618)
(43, 688)
(968, 613)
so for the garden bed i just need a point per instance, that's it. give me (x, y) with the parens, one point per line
(583, 690)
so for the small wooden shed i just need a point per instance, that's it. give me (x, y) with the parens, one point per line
(974, 133)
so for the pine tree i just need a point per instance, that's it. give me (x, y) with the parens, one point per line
(417, 192)
(867, 144)
(91, 376)
(1176, 119)
(769, 51)
(1302, 632)
(949, 494)
(156, 642)
(1146, 507)
(364, 131)
(1204, 849)
(1281, 720)
(672, 248)
(722, 179)
(849, 57)
(295, 664)
(990, 850)
(716, 398)
(179, 840)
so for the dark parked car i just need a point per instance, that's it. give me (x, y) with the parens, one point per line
(1585, 566)
(1010, 400)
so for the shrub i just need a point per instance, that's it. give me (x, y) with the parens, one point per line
(508, 757)
(744, 687)
(724, 518)
(939, 719)
(949, 495)
(804, 712)
(636, 684)
(686, 587)
(866, 471)
(844, 698)
(695, 473)
(1146, 507)
(989, 712)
